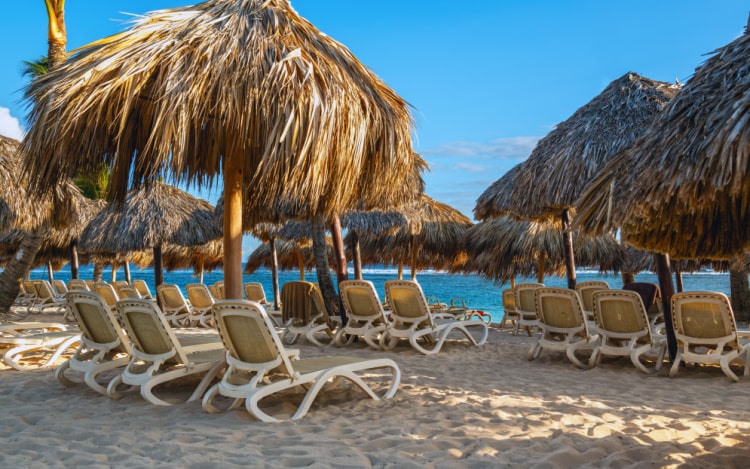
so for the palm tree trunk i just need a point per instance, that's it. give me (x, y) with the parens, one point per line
(158, 267)
(18, 267)
(738, 287)
(570, 262)
(320, 251)
(98, 272)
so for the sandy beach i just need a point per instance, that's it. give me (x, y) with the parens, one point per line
(467, 406)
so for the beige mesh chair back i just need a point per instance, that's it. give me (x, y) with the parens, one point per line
(425, 331)
(254, 292)
(624, 329)
(259, 366)
(60, 287)
(46, 298)
(365, 315)
(91, 284)
(706, 332)
(562, 323)
(128, 291)
(142, 288)
(108, 294)
(509, 310)
(586, 291)
(104, 345)
(173, 304)
(201, 302)
(523, 293)
(157, 356)
(217, 290)
(77, 284)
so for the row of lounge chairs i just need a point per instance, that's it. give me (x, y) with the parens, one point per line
(616, 323)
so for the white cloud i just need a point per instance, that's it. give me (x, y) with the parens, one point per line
(514, 148)
(9, 125)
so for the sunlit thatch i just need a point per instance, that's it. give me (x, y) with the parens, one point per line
(291, 256)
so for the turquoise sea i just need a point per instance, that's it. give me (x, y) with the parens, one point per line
(476, 292)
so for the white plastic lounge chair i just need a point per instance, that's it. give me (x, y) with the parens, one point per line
(40, 350)
(26, 296)
(509, 310)
(305, 314)
(254, 292)
(60, 288)
(412, 320)
(586, 291)
(29, 327)
(173, 304)
(458, 308)
(562, 324)
(108, 294)
(128, 291)
(526, 306)
(624, 330)
(201, 303)
(104, 345)
(142, 288)
(706, 332)
(157, 356)
(46, 297)
(260, 367)
(217, 290)
(77, 284)
(365, 315)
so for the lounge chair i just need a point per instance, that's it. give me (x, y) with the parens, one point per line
(259, 366)
(26, 296)
(651, 297)
(59, 287)
(562, 324)
(586, 291)
(108, 294)
(526, 306)
(173, 304)
(365, 315)
(509, 310)
(458, 308)
(46, 299)
(104, 345)
(77, 284)
(413, 320)
(624, 329)
(128, 291)
(217, 290)
(29, 327)
(706, 332)
(201, 303)
(254, 292)
(157, 356)
(91, 284)
(30, 351)
(304, 314)
(142, 288)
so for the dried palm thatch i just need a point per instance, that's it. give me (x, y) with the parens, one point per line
(154, 215)
(564, 161)
(204, 258)
(494, 201)
(291, 255)
(184, 88)
(501, 249)
(683, 188)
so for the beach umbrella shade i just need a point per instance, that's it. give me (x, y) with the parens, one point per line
(243, 88)
(549, 182)
(374, 223)
(151, 217)
(202, 258)
(290, 255)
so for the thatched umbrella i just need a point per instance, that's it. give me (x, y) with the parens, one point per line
(243, 88)
(202, 258)
(430, 237)
(290, 255)
(373, 223)
(150, 218)
(562, 164)
(502, 248)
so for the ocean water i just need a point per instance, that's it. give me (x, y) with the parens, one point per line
(476, 292)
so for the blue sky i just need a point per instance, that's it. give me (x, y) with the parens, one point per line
(487, 78)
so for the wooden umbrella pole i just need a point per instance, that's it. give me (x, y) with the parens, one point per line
(158, 266)
(678, 277)
(400, 270)
(413, 259)
(301, 262)
(113, 275)
(570, 263)
(127, 273)
(338, 250)
(274, 272)
(233, 166)
(667, 290)
(49, 272)
(74, 259)
(356, 255)
(541, 267)
(202, 266)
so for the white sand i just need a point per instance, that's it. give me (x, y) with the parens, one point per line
(465, 407)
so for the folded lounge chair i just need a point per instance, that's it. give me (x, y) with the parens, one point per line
(413, 320)
(706, 332)
(259, 366)
(104, 345)
(624, 330)
(562, 324)
(157, 356)
(304, 313)
(365, 315)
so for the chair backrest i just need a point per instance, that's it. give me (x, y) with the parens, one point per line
(77, 284)
(142, 288)
(586, 291)
(128, 291)
(254, 292)
(407, 302)
(249, 337)
(524, 296)
(361, 300)
(650, 295)
(704, 315)
(621, 312)
(44, 290)
(559, 307)
(118, 283)
(170, 297)
(509, 300)
(108, 294)
(199, 295)
(148, 330)
(60, 287)
(29, 288)
(91, 284)
(97, 322)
